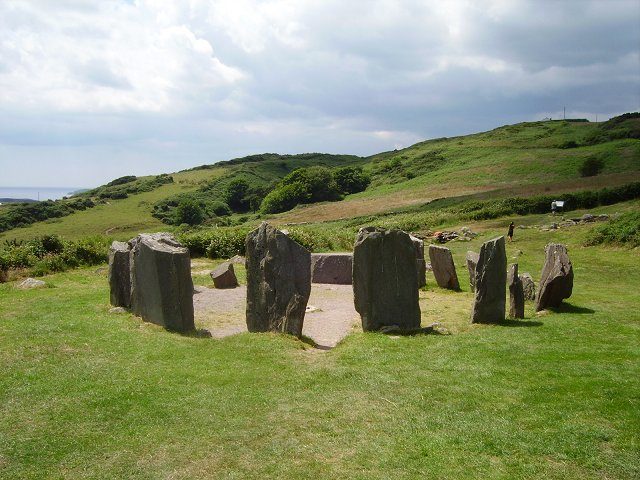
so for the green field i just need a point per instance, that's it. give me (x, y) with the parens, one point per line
(88, 394)
(515, 160)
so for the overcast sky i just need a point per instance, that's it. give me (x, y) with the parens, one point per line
(93, 90)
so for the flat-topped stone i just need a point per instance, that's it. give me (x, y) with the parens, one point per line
(224, 276)
(161, 285)
(119, 275)
(385, 280)
(334, 268)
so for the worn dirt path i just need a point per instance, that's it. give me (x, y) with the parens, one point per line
(331, 316)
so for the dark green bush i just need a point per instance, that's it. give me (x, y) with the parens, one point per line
(122, 180)
(189, 212)
(591, 167)
(351, 179)
(284, 198)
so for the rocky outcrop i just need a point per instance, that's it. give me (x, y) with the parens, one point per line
(490, 283)
(385, 280)
(119, 275)
(444, 270)
(516, 293)
(161, 285)
(472, 261)
(278, 281)
(556, 283)
(528, 286)
(29, 283)
(224, 276)
(332, 268)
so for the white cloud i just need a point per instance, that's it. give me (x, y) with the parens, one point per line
(173, 84)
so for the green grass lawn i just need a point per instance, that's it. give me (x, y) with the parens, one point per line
(88, 394)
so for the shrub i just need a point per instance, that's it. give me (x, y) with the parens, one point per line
(284, 198)
(122, 180)
(351, 179)
(591, 167)
(624, 230)
(189, 212)
(569, 144)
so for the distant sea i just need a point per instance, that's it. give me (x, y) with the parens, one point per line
(33, 193)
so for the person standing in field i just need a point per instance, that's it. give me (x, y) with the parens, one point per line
(510, 233)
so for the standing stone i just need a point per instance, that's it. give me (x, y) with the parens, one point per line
(278, 281)
(472, 262)
(224, 276)
(161, 285)
(556, 283)
(528, 286)
(385, 280)
(332, 268)
(119, 275)
(444, 270)
(421, 262)
(516, 293)
(490, 282)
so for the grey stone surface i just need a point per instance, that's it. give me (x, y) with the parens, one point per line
(30, 283)
(490, 280)
(224, 276)
(472, 262)
(421, 262)
(556, 283)
(528, 286)
(516, 293)
(238, 260)
(332, 268)
(117, 310)
(278, 281)
(385, 280)
(119, 275)
(444, 270)
(161, 285)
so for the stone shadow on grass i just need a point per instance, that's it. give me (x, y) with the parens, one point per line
(519, 323)
(569, 308)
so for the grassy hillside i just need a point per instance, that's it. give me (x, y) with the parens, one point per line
(88, 394)
(516, 160)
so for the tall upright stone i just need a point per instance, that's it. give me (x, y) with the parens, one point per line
(161, 284)
(516, 293)
(421, 262)
(472, 262)
(119, 275)
(385, 280)
(490, 281)
(443, 268)
(278, 281)
(556, 283)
